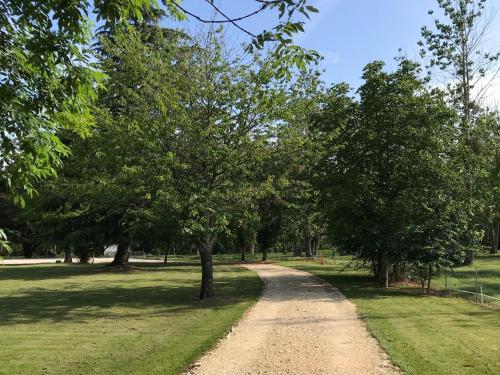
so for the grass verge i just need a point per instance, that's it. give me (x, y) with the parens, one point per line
(85, 319)
(422, 334)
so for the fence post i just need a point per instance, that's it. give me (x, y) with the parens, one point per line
(476, 286)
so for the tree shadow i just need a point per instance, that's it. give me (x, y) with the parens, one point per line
(82, 301)
(34, 272)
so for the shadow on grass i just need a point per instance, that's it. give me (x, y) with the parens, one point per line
(362, 287)
(81, 300)
(57, 271)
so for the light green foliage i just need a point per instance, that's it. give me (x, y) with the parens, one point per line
(220, 145)
(48, 83)
(59, 319)
(4, 244)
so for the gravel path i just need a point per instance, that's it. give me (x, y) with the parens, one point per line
(300, 326)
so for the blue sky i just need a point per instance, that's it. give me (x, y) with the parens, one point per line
(349, 33)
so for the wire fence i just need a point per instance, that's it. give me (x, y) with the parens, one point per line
(473, 287)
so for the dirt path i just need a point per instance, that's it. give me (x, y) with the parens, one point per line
(300, 326)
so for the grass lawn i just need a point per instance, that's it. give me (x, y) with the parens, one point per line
(488, 270)
(85, 319)
(423, 334)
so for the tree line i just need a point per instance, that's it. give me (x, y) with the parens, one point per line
(194, 146)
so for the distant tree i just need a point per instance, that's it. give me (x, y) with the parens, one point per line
(295, 154)
(459, 47)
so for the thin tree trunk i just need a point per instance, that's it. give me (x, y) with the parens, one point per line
(429, 278)
(122, 254)
(494, 236)
(383, 269)
(315, 246)
(264, 254)
(297, 251)
(242, 242)
(242, 253)
(207, 272)
(307, 246)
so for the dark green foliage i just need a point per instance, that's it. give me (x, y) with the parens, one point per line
(386, 177)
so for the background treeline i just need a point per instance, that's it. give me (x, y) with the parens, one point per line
(199, 148)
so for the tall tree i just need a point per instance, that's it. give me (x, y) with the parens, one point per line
(228, 110)
(385, 177)
(459, 47)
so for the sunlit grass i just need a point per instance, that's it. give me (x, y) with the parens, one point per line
(83, 319)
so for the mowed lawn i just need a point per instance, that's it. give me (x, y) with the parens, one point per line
(85, 319)
(488, 271)
(423, 335)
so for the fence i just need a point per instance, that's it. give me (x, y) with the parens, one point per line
(477, 288)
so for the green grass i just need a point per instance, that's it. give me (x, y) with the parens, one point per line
(488, 270)
(85, 319)
(422, 334)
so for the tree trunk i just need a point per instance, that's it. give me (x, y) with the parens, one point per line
(398, 273)
(429, 278)
(242, 253)
(242, 240)
(68, 257)
(28, 249)
(207, 271)
(383, 269)
(469, 257)
(165, 259)
(315, 246)
(264, 254)
(83, 255)
(122, 254)
(494, 236)
(297, 251)
(307, 246)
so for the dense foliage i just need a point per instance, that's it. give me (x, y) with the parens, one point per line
(193, 147)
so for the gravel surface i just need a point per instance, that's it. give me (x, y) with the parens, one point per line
(300, 326)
